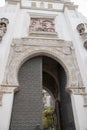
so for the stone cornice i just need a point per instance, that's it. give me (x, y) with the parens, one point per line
(69, 5)
(53, 1)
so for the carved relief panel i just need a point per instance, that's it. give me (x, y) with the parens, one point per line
(42, 25)
(3, 27)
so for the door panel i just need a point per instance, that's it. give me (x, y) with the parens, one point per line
(27, 107)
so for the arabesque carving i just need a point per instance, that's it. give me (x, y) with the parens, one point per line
(60, 50)
(3, 27)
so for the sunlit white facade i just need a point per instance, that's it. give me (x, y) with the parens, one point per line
(68, 26)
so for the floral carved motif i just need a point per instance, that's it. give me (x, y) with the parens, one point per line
(3, 27)
(42, 25)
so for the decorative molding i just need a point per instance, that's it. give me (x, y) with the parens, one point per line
(54, 1)
(45, 35)
(5, 88)
(77, 91)
(26, 48)
(43, 5)
(3, 27)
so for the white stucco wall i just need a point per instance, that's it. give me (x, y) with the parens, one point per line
(9, 12)
(73, 19)
(5, 111)
(79, 111)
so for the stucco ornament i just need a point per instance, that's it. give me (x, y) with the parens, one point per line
(42, 25)
(60, 50)
(82, 29)
(3, 27)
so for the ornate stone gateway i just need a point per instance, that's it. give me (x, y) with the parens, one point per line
(26, 48)
(60, 50)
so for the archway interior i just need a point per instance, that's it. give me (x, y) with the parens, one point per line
(35, 75)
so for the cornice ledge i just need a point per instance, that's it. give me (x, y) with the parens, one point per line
(29, 40)
(77, 91)
(6, 88)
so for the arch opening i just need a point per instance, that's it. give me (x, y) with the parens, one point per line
(36, 74)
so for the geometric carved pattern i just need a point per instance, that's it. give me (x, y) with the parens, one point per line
(60, 50)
